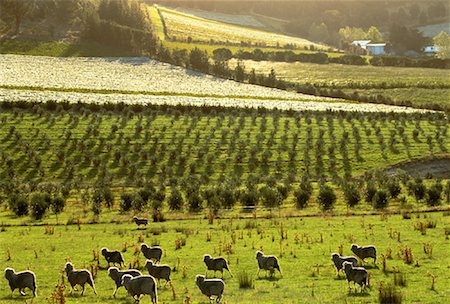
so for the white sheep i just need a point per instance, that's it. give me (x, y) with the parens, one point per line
(364, 252)
(21, 280)
(210, 287)
(150, 253)
(339, 260)
(159, 271)
(112, 256)
(216, 264)
(356, 274)
(116, 274)
(267, 262)
(140, 285)
(79, 277)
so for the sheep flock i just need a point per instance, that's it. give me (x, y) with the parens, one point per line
(138, 285)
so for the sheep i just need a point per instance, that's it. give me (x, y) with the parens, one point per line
(79, 277)
(216, 264)
(140, 285)
(112, 256)
(115, 274)
(21, 280)
(140, 221)
(356, 274)
(150, 253)
(158, 271)
(210, 287)
(267, 262)
(338, 260)
(363, 252)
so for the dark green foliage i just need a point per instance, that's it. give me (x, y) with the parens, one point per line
(270, 197)
(198, 60)
(371, 189)
(389, 294)
(394, 188)
(58, 203)
(326, 197)
(222, 54)
(194, 200)
(380, 199)
(39, 204)
(351, 194)
(18, 204)
(138, 203)
(417, 188)
(301, 198)
(126, 201)
(108, 197)
(434, 194)
(175, 200)
(249, 197)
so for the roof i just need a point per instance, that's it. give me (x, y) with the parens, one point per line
(361, 42)
(376, 44)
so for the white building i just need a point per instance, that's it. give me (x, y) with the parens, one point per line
(371, 48)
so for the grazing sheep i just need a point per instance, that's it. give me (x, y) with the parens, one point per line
(150, 253)
(140, 221)
(21, 280)
(216, 264)
(115, 274)
(356, 274)
(140, 285)
(79, 277)
(363, 252)
(210, 287)
(267, 262)
(158, 271)
(339, 260)
(112, 256)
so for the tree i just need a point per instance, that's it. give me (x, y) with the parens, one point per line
(349, 34)
(222, 54)
(39, 203)
(198, 60)
(326, 197)
(442, 43)
(351, 194)
(319, 32)
(16, 10)
(374, 35)
(175, 201)
(404, 39)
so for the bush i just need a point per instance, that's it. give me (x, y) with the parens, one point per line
(380, 199)
(246, 280)
(194, 200)
(389, 294)
(270, 197)
(394, 188)
(39, 203)
(434, 194)
(108, 197)
(326, 197)
(227, 197)
(175, 201)
(138, 203)
(352, 195)
(18, 204)
(371, 189)
(222, 54)
(301, 198)
(58, 204)
(126, 202)
(249, 198)
(198, 60)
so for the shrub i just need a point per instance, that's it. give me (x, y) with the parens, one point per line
(222, 54)
(326, 197)
(18, 204)
(389, 294)
(246, 280)
(138, 203)
(39, 203)
(434, 194)
(175, 201)
(380, 199)
(352, 195)
(108, 197)
(302, 197)
(249, 198)
(227, 197)
(58, 204)
(126, 201)
(198, 60)
(371, 189)
(394, 188)
(270, 197)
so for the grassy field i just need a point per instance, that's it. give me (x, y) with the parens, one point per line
(184, 26)
(303, 246)
(419, 86)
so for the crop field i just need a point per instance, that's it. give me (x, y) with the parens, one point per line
(161, 143)
(412, 254)
(182, 26)
(417, 85)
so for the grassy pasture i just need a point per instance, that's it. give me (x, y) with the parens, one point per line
(182, 26)
(417, 85)
(304, 252)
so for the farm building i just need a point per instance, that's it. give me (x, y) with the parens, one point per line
(430, 50)
(371, 48)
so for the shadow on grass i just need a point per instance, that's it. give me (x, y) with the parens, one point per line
(270, 279)
(358, 294)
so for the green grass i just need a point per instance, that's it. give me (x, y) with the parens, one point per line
(60, 49)
(182, 26)
(417, 85)
(304, 254)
